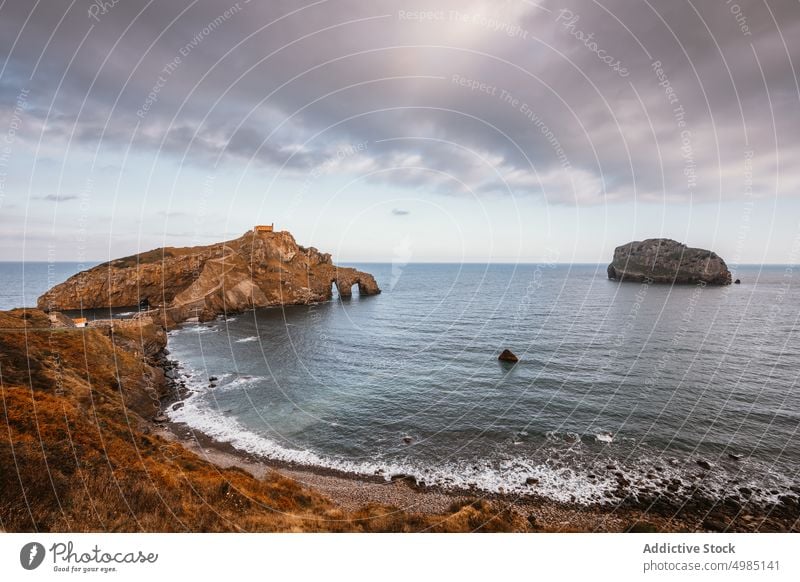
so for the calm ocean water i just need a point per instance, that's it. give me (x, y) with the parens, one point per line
(22, 283)
(645, 379)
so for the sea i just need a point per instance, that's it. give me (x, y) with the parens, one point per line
(672, 388)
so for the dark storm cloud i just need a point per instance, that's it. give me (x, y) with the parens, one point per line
(576, 102)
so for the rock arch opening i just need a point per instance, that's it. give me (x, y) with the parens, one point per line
(347, 289)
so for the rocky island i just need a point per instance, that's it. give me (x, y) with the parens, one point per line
(84, 406)
(663, 260)
(259, 269)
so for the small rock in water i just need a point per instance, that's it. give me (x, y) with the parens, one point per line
(407, 439)
(177, 406)
(212, 378)
(735, 456)
(737, 282)
(703, 464)
(531, 481)
(508, 356)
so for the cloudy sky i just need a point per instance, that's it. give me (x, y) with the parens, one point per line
(439, 131)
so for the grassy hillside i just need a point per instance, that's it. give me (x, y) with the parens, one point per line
(77, 452)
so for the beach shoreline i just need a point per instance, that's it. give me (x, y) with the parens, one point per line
(625, 511)
(351, 492)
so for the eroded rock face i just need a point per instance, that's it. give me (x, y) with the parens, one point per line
(255, 270)
(662, 260)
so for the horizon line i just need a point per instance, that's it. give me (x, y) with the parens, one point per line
(94, 263)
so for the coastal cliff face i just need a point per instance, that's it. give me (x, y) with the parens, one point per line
(662, 260)
(256, 270)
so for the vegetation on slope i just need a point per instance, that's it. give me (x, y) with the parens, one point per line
(77, 452)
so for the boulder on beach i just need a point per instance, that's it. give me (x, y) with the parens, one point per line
(409, 480)
(507, 356)
(662, 260)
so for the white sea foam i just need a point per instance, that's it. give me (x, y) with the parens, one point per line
(576, 477)
(554, 480)
(508, 476)
(196, 329)
(252, 338)
(240, 382)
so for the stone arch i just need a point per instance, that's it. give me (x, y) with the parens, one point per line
(344, 287)
(346, 278)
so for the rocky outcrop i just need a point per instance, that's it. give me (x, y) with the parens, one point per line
(662, 260)
(508, 356)
(256, 270)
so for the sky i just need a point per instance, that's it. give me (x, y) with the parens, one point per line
(425, 131)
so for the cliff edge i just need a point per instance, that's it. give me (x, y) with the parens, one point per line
(662, 260)
(258, 269)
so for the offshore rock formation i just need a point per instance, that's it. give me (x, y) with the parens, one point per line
(508, 356)
(662, 260)
(259, 269)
